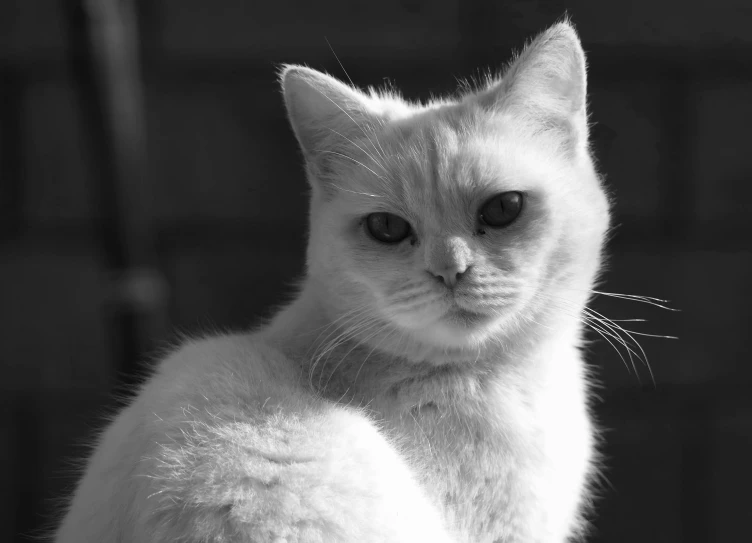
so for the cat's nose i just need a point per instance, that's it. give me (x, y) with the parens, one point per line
(448, 259)
(450, 276)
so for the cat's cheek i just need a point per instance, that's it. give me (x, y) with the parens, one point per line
(413, 320)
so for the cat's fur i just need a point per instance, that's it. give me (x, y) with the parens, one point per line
(370, 409)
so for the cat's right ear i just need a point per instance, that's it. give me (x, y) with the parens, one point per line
(324, 112)
(546, 85)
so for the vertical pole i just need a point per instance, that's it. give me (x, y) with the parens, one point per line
(104, 45)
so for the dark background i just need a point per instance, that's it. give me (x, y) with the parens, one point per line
(217, 206)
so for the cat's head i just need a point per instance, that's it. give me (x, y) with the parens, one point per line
(459, 221)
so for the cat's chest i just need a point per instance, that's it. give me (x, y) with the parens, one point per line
(484, 465)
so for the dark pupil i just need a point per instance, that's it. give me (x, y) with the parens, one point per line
(387, 228)
(502, 209)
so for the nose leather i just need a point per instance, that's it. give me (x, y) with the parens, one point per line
(448, 258)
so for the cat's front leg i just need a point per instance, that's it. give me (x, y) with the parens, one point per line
(326, 476)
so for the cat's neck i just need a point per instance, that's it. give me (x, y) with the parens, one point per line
(364, 363)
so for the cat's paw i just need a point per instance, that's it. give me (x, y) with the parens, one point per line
(345, 482)
(328, 477)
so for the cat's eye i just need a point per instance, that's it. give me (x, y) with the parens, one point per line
(387, 228)
(501, 210)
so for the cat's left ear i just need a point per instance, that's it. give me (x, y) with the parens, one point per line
(547, 85)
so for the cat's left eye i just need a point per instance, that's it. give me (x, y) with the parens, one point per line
(387, 228)
(501, 210)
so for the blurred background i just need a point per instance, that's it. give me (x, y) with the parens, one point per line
(149, 184)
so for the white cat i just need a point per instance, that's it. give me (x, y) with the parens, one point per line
(427, 384)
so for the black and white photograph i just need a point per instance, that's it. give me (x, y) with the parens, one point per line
(397, 271)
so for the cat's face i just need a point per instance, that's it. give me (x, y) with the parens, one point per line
(451, 224)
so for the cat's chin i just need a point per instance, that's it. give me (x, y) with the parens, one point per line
(457, 328)
(465, 319)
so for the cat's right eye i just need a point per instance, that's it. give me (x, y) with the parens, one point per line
(387, 228)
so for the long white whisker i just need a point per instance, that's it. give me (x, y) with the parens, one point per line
(657, 302)
(644, 334)
(339, 61)
(643, 299)
(346, 335)
(355, 379)
(376, 137)
(358, 344)
(629, 320)
(324, 345)
(350, 117)
(383, 154)
(607, 332)
(606, 329)
(635, 296)
(355, 312)
(356, 192)
(612, 325)
(352, 159)
(341, 333)
(605, 335)
(369, 155)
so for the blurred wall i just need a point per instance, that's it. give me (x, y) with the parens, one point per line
(671, 105)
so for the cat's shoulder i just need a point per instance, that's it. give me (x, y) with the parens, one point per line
(234, 367)
(245, 353)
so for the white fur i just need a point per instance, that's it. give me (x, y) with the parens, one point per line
(367, 410)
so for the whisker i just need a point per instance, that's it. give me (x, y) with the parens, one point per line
(324, 345)
(605, 335)
(406, 298)
(352, 159)
(383, 154)
(643, 299)
(369, 155)
(631, 337)
(350, 117)
(606, 331)
(629, 320)
(606, 328)
(344, 357)
(636, 296)
(339, 61)
(330, 345)
(376, 137)
(343, 337)
(368, 355)
(407, 306)
(356, 192)
(348, 314)
(647, 335)
(657, 302)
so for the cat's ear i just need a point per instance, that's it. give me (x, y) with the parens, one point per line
(547, 85)
(323, 111)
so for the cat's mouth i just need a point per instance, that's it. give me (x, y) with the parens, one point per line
(461, 316)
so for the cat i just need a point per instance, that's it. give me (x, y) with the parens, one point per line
(427, 383)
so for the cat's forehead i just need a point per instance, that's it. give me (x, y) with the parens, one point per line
(447, 152)
(432, 133)
(441, 163)
(450, 147)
